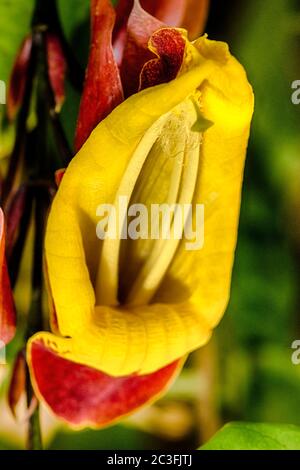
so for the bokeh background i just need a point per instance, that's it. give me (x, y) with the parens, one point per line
(245, 373)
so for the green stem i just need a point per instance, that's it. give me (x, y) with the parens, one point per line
(40, 199)
(46, 13)
(30, 150)
(34, 436)
(35, 317)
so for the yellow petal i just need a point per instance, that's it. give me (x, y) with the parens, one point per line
(203, 276)
(83, 270)
(121, 341)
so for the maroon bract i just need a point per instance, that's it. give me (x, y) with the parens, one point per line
(57, 67)
(17, 383)
(141, 26)
(7, 308)
(18, 76)
(103, 88)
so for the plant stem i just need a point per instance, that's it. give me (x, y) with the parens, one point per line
(34, 436)
(34, 441)
(35, 318)
(35, 168)
(46, 13)
(207, 414)
(30, 158)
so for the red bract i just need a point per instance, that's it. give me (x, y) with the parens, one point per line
(189, 14)
(14, 214)
(130, 29)
(103, 88)
(18, 76)
(17, 383)
(57, 67)
(168, 11)
(140, 27)
(7, 309)
(195, 17)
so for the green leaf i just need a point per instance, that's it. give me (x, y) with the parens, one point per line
(252, 436)
(73, 14)
(15, 17)
(267, 45)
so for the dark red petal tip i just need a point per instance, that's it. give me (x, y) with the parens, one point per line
(169, 45)
(141, 26)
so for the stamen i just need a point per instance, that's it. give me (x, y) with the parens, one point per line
(168, 158)
(106, 286)
(164, 250)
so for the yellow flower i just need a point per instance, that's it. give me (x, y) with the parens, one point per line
(134, 306)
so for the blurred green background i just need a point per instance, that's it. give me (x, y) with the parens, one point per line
(245, 373)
